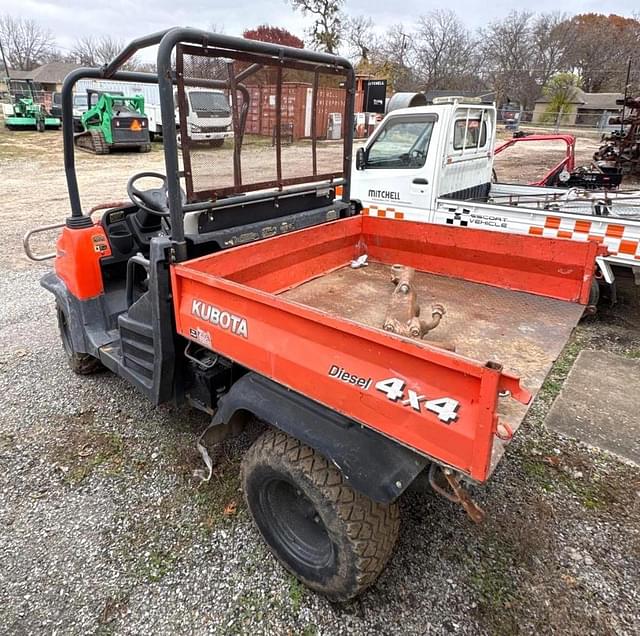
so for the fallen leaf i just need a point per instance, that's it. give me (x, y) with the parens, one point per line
(230, 509)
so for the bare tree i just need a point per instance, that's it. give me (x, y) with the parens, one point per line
(396, 58)
(326, 32)
(360, 38)
(552, 36)
(26, 44)
(444, 51)
(92, 51)
(509, 57)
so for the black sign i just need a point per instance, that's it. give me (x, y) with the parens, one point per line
(375, 95)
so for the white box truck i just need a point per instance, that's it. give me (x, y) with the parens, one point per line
(208, 111)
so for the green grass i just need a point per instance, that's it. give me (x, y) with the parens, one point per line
(220, 500)
(297, 593)
(86, 450)
(560, 370)
(491, 577)
(156, 565)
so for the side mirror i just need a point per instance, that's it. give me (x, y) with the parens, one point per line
(361, 159)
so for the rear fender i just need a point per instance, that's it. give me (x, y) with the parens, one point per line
(372, 464)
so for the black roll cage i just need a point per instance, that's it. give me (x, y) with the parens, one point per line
(166, 78)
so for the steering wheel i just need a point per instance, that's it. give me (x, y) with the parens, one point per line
(153, 200)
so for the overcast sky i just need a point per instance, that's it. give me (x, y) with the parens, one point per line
(127, 19)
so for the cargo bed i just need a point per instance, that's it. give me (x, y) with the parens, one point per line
(292, 309)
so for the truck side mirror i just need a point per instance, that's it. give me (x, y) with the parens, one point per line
(361, 159)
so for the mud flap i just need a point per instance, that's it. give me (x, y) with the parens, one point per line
(372, 464)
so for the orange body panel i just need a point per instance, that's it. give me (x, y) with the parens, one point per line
(78, 260)
(229, 302)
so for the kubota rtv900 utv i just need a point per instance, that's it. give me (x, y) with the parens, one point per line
(248, 285)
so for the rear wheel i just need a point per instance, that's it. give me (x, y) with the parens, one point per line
(334, 539)
(80, 363)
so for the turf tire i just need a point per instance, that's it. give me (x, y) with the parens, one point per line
(335, 540)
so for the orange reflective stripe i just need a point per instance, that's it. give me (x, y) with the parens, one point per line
(536, 231)
(598, 239)
(552, 222)
(628, 247)
(583, 226)
(615, 231)
(398, 215)
(565, 234)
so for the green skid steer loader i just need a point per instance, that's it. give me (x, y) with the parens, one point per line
(113, 121)
(25, 112)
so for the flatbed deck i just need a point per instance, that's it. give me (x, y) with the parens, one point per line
(524, 332)
(292, 309)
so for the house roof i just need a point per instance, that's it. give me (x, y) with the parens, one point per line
(596, 101)
(54, 72)
(604, 101)
(51, 73)
(18, 75)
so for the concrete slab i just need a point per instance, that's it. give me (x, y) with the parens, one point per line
(600, 403)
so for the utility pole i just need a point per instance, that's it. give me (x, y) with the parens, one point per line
(403, 47)
(4, 60)
(626, 91)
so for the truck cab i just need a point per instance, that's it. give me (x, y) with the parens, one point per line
(208, 116)
(419, 154)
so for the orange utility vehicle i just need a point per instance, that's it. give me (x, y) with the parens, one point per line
(258, 292)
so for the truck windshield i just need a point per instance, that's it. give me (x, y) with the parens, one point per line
(209, 103)
(403, 143)
(80, 102)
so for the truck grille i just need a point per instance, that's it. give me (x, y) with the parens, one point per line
(212, 129)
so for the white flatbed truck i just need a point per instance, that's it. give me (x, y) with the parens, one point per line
(434, 164)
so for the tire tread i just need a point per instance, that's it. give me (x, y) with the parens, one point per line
(372, 528)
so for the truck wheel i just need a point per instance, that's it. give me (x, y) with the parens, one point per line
(332, 538)
(80, 363)
(594, 294)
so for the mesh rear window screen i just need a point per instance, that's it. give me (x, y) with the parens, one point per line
(250, 122)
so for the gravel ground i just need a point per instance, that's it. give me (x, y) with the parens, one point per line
(103, 530)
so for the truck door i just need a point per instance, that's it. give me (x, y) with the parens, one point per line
(394, 172)
(466, 171)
